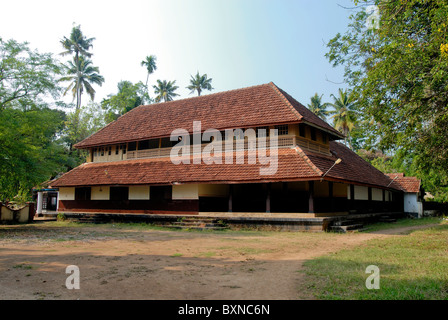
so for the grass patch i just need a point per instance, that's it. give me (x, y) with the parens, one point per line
(405, 222)
(177, 255)
(412, 267)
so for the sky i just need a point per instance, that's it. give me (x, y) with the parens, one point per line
(237, 43)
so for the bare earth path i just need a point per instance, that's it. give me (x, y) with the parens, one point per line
(127, 263)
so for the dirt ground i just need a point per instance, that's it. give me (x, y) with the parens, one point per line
(117, 262)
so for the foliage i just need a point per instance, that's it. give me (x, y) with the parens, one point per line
(317, 107)
(164, 90)
(199, 83)
(26, 76)
(344, 114)
(79, 45)
(81, 75)
(80, 124)
(30, 151)
(399, 73)
(151, 66)
(129, 96)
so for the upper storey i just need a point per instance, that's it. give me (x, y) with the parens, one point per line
(259, 106)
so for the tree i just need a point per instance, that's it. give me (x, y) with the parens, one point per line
(318, 108)
(82, 75)
(150, 64)
(26, 76)
(399, 71)
(343, 115)
(165, 90)
(128, 97)
(79, 45)
(31, 150)
(199, 83)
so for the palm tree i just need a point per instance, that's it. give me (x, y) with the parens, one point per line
(318, 108)
(78, 44)
(165, 90)
(344, 115)
(199, 83)
(150, 64)
(81, 75)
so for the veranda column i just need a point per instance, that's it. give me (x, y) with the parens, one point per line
(40, 202)
(230, 197)
(311, 197)
(330, 194)
(268, 198)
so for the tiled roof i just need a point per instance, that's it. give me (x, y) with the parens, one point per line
(163, 171)
(241, 108)
(407, 184)
(293, 165)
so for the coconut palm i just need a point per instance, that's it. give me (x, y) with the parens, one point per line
(344, 114)
(199, 83)
(318, 108)
(82, 75)
(78, 44)
(165, 90)
(150, 64)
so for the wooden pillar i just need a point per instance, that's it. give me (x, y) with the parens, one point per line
(352, 197)
(330, 195)
(230, 198)
(268, 198)
(311, 197)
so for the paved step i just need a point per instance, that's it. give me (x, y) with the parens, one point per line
(387, 219)
(194, 227)
(348, 228)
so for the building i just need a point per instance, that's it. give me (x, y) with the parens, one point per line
(130, 168)
(413, 193)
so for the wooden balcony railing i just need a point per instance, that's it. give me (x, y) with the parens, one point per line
(283, 142)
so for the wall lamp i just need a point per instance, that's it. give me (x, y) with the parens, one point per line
(338, 161)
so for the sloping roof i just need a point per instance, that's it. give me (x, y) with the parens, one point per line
(407, 184)
(293, 165)
(241, 108)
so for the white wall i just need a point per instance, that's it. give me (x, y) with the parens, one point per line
(100, 193)
(361, 193)
(66, 193)
(411, 204)
(139, 193)
(377, 194)
(186, 192)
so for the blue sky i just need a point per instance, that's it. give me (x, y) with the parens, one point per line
(238, 43)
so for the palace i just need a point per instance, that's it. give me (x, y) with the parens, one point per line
(130, 167)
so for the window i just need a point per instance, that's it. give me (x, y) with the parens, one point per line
(324, 137)
(262, 132)
(282, 130)
(148, 144)
(119, 193)
(102, 151)
(109, 150)
(302, 130)
(159, 193)
(123, 148)
(313, 133)
(82, 193)
(132, 146)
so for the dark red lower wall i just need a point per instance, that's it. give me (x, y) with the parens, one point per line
(131, 206)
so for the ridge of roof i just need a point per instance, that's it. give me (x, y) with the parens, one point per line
(226, 109)
(282, 96)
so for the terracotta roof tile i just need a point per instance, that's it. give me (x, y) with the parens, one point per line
(407, 184)
(293, 165)
(247, 107)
